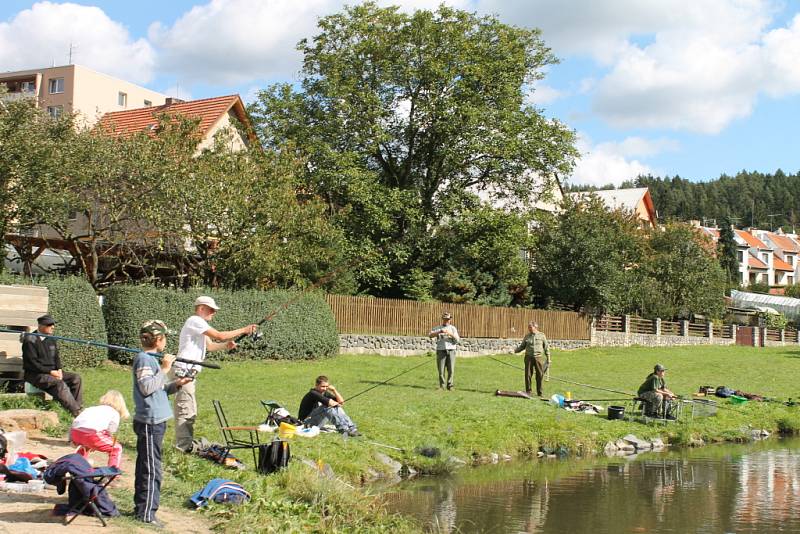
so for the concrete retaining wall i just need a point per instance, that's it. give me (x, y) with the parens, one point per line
(407, 345)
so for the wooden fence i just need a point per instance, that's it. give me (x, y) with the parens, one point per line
(365, 315)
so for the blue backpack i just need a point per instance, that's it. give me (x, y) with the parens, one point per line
(222, 491)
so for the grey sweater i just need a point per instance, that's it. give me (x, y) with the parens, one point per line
(150, 390)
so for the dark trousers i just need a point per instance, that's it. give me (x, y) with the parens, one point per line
(68, 392)
(147, 482)
(531, 365)
(446, 360)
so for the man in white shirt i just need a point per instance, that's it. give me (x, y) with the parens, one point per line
(447, 339)
(198, 337)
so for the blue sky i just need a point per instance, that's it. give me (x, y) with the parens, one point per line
(688, 87)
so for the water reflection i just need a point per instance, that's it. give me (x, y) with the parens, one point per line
(741, 489)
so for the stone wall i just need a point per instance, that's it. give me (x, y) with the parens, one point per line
(407, 345)
(601, 338)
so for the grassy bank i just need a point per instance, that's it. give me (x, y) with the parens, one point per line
(467, 423)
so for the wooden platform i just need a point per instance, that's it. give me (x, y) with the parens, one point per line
(19, 308)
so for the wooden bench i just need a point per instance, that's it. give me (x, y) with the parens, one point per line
(19, 308)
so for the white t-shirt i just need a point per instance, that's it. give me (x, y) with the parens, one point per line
(98, 418)
(192, 342)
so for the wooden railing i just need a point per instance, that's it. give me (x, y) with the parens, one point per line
(365, 315)
(698, 330)
(773, 334)
(642, 326)
(670, 328)
(610, 323)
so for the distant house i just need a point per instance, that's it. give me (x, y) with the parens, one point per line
(634, 200)
(214, 114)
(763, 257)
(76, 89)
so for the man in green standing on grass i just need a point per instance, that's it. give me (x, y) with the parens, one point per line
(537, 356)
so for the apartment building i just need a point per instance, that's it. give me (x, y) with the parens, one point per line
(74, 88)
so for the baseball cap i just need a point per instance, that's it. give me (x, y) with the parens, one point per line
(156, 328)
(46, 320)
(659, 367)
(446, 315)
(207, 301)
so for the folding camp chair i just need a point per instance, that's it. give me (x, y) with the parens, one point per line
(271, 406)
(237, 441)
(102, 476)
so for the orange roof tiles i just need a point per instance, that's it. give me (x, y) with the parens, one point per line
(752, 240)
(784, 242)
(755, 263)
(208, 110)
(781, 265)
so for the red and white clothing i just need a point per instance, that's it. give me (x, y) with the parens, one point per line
(93, 429)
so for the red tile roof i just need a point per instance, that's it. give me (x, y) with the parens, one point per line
(784, 242)
(752, 240)
(208, 110)
(755, 263)
(781, 265)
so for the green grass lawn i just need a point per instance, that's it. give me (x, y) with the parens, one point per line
(469, 422)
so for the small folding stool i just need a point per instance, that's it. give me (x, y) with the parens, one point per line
(101, 477)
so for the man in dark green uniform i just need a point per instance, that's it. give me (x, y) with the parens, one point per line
(537, 356)
(654, 391)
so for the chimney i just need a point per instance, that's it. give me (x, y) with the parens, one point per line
(172, 100)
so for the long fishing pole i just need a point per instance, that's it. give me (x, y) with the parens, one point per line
(271, 315)
(699, 401)
(210, 365)
(385, 381)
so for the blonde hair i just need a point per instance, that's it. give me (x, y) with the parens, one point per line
(115, 399)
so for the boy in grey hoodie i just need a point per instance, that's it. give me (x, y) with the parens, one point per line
(153, 409)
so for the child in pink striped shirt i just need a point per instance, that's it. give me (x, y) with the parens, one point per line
(94, 427)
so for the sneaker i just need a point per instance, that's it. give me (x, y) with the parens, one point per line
(155, 523)
(671, 418)
(353, 433)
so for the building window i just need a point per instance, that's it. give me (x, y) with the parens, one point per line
(790, 280)
(790, 259)
(27, 87)
(56, 85)
(55, 111)
(122, 99)
(148, 103)
(740, 255)
(765, 257)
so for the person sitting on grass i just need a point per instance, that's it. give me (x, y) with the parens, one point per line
(655, 393)
(323, 405)
(95, 427)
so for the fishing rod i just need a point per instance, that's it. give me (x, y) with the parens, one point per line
(271, 315)
(699, 401)
(385, 381)
(210, 365)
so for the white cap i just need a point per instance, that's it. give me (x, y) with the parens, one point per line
(207, 301)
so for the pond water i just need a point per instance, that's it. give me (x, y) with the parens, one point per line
(720, 488)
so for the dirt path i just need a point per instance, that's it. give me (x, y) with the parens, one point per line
(29, 513)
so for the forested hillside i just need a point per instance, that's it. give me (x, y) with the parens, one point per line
(748, 199)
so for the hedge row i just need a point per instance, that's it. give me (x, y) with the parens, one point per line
(74, 305)
(304, 329)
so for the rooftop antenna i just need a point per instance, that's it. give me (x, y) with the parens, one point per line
(71, 48)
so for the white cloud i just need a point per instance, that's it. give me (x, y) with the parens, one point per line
(678, 64)
(41, 36)
(543, 94)
(615, 162)
(237, 41)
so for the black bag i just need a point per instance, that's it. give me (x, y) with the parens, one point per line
(723, 392)
(273, 456)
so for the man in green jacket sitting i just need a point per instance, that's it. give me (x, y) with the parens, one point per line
(654, 391)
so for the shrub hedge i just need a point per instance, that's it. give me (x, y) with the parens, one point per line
(305, 329)
(74, 304)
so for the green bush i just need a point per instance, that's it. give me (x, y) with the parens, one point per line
(305, 329)
(74, 304)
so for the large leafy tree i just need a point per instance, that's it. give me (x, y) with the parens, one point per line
(587, 257)
(686, 276)
(727, 251)
(402, 118)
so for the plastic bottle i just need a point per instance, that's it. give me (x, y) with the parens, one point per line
(568, 395)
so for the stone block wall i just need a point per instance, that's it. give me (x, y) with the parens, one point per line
(408, 345)
(602, 338)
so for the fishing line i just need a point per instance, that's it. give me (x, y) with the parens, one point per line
(385, 381)
(210, 365)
